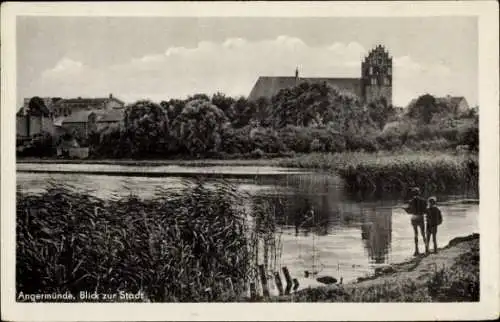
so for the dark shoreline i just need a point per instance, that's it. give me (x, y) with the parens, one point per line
(166, 174)
(183, 162)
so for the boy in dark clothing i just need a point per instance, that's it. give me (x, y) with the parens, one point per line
(417, 208)
(434, 219)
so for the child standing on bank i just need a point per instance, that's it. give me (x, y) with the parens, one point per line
(434, 219)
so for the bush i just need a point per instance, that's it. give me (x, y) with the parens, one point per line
(236, 141)
(40, 145)
(470, 137)
(257, 153)
(267, 140)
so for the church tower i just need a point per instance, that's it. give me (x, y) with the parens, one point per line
(376, 75)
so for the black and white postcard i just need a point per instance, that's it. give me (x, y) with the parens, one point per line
(250, 161)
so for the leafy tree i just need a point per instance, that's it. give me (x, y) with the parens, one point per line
(242, 112)
(380, 112)
(198, 96)
(424, 108)
(471, 138)
(263, 111)
(199, 127)
(36, 106)
(173, 108)
(223, 102)
(236, 140)
(317, 104)
(267, 140)
(146, 125)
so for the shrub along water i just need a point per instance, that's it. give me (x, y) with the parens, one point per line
(185, 246)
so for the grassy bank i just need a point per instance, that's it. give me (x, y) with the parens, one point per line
(186, 246)
(451, 275)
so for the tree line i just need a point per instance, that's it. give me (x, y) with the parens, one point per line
(310, 117)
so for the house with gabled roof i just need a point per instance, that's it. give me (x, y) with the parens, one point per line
(80, 124)
(456, 104)
(68, 106)
(60, 115)
(108, 118)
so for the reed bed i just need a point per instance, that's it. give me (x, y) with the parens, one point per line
(398, 173)
(186, 246)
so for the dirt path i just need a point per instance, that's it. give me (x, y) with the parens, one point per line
(418, 269)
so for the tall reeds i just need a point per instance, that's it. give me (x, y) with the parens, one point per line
(439, 172)
(190, 245)
(396, 171)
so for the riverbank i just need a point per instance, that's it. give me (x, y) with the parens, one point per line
(361, 171)
(450, 275)
(314, 160)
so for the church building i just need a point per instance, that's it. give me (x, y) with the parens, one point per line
(375, 81)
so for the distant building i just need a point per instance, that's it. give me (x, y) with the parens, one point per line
(30, 123)
(78, 116)
(108, 118)
(65, 107)
(375, 81)
(457, 104)
(80, 124)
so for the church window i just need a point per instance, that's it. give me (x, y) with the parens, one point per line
(386, 81)
(370, 72)
(374, 81)
(389, 70)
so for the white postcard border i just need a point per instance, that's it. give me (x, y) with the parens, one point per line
(488, 307)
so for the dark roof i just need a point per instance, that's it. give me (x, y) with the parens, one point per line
(453, 100)
(457, 99)
(269, 86)
(78, 117)
(87, 101)
(90, 101)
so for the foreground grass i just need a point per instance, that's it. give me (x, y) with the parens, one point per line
(454, 279)
(185, 246)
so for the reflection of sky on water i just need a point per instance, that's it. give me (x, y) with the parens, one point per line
(350, 233)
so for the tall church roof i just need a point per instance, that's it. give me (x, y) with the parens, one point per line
(268, 86)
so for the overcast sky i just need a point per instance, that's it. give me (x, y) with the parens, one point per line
(162, 58)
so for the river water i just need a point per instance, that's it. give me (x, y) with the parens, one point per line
(352, 234)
